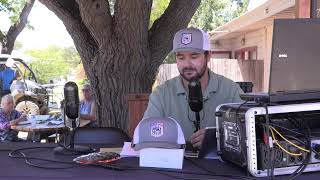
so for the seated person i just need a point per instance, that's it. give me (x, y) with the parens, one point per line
(87, 106)
(9, 117)
(6, 77)
(192, 51)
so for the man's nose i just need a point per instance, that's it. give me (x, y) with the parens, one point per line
(189, 62)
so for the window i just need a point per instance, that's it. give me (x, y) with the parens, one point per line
(249, 53)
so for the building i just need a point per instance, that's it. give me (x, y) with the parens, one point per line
(244, 44)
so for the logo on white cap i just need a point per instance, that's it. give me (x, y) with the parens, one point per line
(157, 129)
(186, 38)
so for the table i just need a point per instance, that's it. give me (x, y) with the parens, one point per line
(17, 169)
(44, 127)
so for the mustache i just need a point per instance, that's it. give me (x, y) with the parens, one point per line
(188, 69)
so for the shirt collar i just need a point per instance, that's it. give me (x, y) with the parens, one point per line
(212, 85)
(179, 85)
(213, 82)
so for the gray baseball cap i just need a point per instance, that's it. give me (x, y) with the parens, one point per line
(86, 86)
(191, 39)
(158, 132)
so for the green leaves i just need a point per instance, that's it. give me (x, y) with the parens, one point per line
(13, 8)
(212, 14)
(158, 7)
(53, 62)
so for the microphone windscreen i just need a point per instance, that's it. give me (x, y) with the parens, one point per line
(71, 97)
(195, 98)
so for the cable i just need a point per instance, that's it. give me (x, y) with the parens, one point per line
(290, 130)
(27, 158)
(301, 168)
(282, 148)
(273, 129)
(269, 149)
(302, 142)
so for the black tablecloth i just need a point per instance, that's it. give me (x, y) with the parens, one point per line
(13, 168)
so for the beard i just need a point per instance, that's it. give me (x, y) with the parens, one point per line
(199, 74)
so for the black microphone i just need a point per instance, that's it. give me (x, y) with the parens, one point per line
(71, 96)
(195, 96)
(71, 111)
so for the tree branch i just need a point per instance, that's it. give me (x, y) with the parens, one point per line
(176, 16)
(97, 18)
(1, 35)
(18, 26)
(132, 18)
(68, 12)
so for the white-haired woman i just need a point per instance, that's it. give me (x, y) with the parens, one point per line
(9, 117)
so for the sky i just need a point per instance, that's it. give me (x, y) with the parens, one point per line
(255, 3)
(48, 29)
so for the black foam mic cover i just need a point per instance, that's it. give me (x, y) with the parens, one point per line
(71, 96)
(195, 98)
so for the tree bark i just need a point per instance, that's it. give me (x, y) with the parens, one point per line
(7, 41)
(120, 54)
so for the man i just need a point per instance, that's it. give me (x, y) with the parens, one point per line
(191, 47)
(6, 77)
(87, 106)
(9, 117)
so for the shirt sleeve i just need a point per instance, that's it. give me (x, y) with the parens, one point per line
(155, 108)
(4, 124)
(17, 114)
(236, 95)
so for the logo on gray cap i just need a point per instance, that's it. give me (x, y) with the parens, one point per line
(186, 38)
(157, 129)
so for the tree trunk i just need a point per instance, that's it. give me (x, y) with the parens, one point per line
(123, 75)
(8, 40)
(119, 53)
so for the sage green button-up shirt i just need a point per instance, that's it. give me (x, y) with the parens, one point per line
(171, 100)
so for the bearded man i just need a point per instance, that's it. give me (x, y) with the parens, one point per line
(192, 51)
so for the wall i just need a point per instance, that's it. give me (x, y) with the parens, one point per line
(251, 39)
(268, 31)
(260, 38)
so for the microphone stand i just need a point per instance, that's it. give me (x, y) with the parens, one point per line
(197, 126)
(197, 122)
(72, 149)
(72, 130)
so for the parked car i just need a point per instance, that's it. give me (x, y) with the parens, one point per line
(29, 96)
